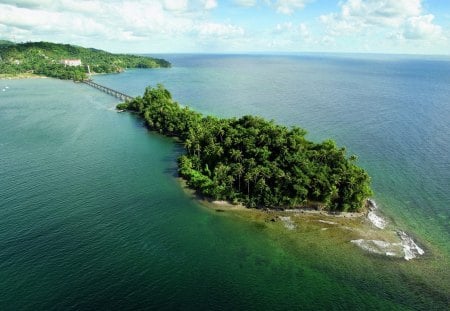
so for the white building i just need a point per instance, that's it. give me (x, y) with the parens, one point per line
(71, 62)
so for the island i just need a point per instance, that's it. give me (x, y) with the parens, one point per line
(253, 161)
(65, 61)
(252, 167)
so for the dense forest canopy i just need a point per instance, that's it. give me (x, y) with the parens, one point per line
(44, 58)
(253, 161)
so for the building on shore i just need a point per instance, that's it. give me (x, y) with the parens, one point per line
(71, 62)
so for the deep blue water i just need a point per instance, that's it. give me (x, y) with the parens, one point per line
(92, 217)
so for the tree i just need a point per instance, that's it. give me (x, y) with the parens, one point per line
(280, 168)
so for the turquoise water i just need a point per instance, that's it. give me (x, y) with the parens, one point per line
(392, 111)
(92, 217)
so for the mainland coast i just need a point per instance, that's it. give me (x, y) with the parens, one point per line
(19, 76)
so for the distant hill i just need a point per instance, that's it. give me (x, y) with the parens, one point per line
(6, 42)
(45, 58)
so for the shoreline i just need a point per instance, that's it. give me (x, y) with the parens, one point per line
(228, 205)
(368, 230)
(21, 76)
(299, 210)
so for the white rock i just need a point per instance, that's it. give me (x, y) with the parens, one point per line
(380, 247)
(288, 223)
(327, 222)
(376, 220)
(410, 249)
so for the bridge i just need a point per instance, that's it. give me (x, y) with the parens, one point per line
(107, 90)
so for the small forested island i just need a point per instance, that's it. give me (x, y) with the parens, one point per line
(65, 61)
(253, 161)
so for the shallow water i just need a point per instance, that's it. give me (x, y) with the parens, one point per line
(91, 216)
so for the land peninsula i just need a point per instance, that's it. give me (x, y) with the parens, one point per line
(286, 181)
(255, 162)
(65, 61)
(245, 160)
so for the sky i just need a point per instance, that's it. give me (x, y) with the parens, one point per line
(233, 26)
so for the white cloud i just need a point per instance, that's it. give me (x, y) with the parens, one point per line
(421, 27)
(246, 3)
(283, 27)
(290, 36)
(338, 25)
(201, 25)
(80, 6)
(24, 17)
(289, 6)
(404, 17)
(216, 29)
(386, 12)
(210, 4)
(173, 22)
(48, 21)
(304, 31)
(29, 3)
(176, 5)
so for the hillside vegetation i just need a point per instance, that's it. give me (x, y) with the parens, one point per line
(6, 42)
(44, 58)
(254, 161)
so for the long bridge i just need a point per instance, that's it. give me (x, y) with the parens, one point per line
(107, 90)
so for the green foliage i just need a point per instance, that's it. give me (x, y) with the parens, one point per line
(255, 161)
(122, 106)
(6, 42)
(44, 58)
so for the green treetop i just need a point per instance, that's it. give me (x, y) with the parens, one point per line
(254, 161)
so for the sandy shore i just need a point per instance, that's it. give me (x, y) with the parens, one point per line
(361, 229)
(368, 230)
(300, 211)
(20, 76)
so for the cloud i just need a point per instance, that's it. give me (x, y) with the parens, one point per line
(283, 27)
(210, 4)
(421, 27)
(175, 5)
(404, 17)
(216, 29)
(246, 3)
(29, 3)
(24, 17)
(304, 31)
(385, 13)
(289, 6)
(291, 36)
(205, 25)
(78, 21)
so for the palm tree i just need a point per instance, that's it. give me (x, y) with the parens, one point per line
(248, 177)
(236, 155)
(188, 145)
(239, 170)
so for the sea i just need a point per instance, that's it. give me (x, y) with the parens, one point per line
(93, 216)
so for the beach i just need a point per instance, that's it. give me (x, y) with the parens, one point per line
(20, 76)
(369, 230)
